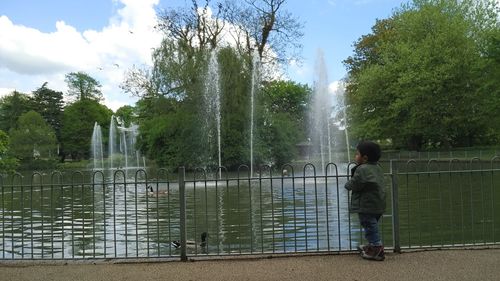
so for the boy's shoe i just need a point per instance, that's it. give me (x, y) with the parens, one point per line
(375, 253)
(362, 248)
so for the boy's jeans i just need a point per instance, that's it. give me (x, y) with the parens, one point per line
(369, 222)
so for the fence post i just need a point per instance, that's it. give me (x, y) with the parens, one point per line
(182, 213)
(395, 208)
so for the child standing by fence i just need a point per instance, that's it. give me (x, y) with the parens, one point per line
(368, 197)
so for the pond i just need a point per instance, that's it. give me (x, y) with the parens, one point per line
(75, 217)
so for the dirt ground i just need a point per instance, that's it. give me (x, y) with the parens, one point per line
(453, 265)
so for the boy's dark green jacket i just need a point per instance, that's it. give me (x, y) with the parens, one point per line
(367, 186)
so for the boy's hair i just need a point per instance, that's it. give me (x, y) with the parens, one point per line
(370, 149)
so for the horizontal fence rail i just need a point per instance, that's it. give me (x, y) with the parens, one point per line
(160, 214)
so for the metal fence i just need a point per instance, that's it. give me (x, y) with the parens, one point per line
(159, 214)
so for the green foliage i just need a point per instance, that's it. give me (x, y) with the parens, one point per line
(278, 139)
(417, 79)
(33, 138)
(83, 87)
(287, 97)
(235, 83)
(490, 85)
(11, 107)
(126, 114)
(78, 124)
(282, 121)
(7, 164)
(176, 128)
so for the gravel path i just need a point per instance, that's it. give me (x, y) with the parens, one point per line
(426, 265)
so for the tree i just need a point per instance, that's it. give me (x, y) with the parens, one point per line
(33, 138)
(282, 122)
(490, 84)
(7, 164)
(191, 32)
(11, 107)
(415, 80)
(287, 97)
(83, 87)
(49, 104)
(193, 37)
(127, 114)
(266, 26)
(78, 124)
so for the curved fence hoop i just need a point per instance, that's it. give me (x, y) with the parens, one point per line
(220, 169)
(475, 160)
(411, 163)
(430, 162)
(94, 175)
(349, 167)
(242, 168)
(263, 168)
(73, 176)
(34, 175)
(311, 166)
(53, 175)
(327, 168)
(199, 171)
(452, 161)
(140, 172)
(14, 176)
(160, 172)
(494, 159)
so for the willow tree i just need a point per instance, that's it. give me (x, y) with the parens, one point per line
(177, 78)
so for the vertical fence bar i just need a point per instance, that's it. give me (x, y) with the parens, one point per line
(395, 208)
(3, 216)
(182, 217)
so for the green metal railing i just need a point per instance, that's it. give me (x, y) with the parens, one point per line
(97, 215)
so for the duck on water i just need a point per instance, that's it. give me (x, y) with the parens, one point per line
(190, 243)
(155, 193)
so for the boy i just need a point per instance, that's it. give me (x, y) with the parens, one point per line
(368, 197)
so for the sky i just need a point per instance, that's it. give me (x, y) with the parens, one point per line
(42, 41)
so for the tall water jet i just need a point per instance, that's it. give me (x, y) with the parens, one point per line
(212, 102)
(254, 86)
(96, 148)
(320, 114)
(112, 140)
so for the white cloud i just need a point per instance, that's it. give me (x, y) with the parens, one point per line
(29, 57)
(5, 91)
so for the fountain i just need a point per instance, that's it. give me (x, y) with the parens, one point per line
(96, 148)
(320, 113)
(212, 105)
(254, 86)
(121, 147)
(326, 121)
